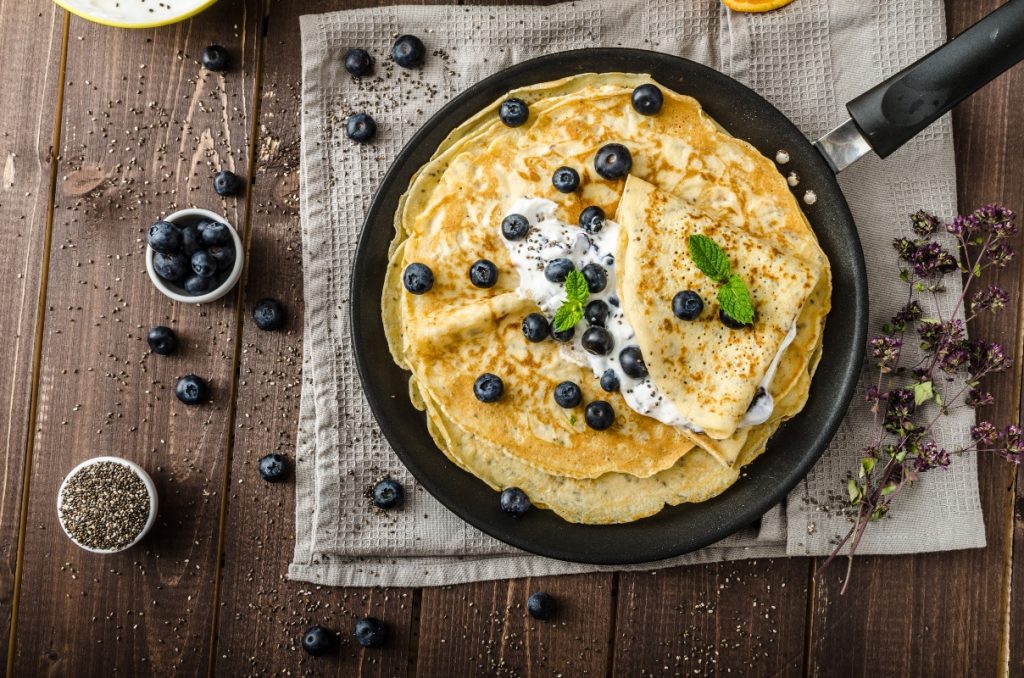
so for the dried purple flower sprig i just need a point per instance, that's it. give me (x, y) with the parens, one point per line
(908, 399)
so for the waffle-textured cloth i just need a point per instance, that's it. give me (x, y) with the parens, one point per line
(808, 59)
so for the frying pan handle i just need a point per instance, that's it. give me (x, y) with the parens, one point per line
(892, 113)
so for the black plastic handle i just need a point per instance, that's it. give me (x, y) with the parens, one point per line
(892, 113)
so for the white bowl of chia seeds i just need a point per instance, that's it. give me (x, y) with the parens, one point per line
(107, 504)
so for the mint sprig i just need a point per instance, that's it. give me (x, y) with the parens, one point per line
(733, 295)
(576, 294)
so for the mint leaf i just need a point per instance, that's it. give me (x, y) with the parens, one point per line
(923, 392)
(576, 288)
(567, 315)
(734, 299)
(709, 258)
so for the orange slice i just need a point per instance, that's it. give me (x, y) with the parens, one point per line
(755, 5)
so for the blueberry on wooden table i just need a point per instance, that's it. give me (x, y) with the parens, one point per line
(541, 605)
(215, 233)
(418, 278)
(197, 285)
(592, 219)
(515, 227)
(536, 327)
(371, 632)
(514, 502)
(565, 180)
(360, 127)
(613, 161)
(408, 51)
(227, 183)
(388, 493)
(687, 305)
(488, 388)
(317, 641)
(268, 314)
(203, 264)
(568, 394)
(513, 112)
(599, 415)
(483, 273)
(358, 62)
(192, 390)
(173, 267)
(215, 58)
(162, 340)
(273, 468)
(164, 237)
(647, 99)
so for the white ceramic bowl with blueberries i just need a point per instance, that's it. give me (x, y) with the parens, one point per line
(193, 256)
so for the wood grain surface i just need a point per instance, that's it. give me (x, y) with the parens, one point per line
(141, 130)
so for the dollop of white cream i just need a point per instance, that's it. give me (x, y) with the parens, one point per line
(782, 157)
(551, 238)
(793, 179)
(810, 197)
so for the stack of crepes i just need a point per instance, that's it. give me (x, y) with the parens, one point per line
(688, 176)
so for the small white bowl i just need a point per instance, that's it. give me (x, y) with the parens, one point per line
(154, 503)
(177, 292)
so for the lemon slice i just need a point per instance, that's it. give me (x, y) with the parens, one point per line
(755, 5)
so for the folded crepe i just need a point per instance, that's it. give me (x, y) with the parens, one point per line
(711, 372)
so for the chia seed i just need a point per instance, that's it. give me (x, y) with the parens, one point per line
(104, 506)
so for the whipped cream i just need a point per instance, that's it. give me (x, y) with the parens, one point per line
(551, 238)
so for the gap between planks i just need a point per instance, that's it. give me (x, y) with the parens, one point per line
(37, 344)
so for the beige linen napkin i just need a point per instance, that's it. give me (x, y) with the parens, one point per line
(807, 59)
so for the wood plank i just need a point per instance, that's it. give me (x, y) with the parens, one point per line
(144, 129)
(942, 614)
(30, 81)
(483, 629)
(262, 614)
(743, 618)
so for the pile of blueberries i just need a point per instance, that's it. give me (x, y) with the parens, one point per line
(408, 51)
(197, 256)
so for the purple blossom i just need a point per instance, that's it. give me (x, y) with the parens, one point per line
(962, 225)
(979, 398)
(1001, 254)
(886, 349)
(992, 297)
(986, 357)
(923, 223)
(985, 434)
(1014, 450)
(930, 455)
(928, 259)
(934, 334)
(996, 219)
(912, 312)
(899, 411)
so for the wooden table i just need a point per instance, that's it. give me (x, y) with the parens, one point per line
(100, 130)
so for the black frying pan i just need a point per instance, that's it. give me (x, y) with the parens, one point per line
(881, 120)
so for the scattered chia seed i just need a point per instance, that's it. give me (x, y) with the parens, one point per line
(104, 506)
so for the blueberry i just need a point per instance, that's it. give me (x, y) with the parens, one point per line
(360, 127)
(216, 233)
(598, 341)
(268, 314)
(358, 62)
(647, 100)
(371, 632)
(565, 180)
(597, 277)
(197, 285)
(171, 267)
(614, 301)
(610, 381)
(592, 219)
(192, 390)
(388, 493)
(599, 415)
(557, 270)
(564, 336)
(483, 273)
(568, 394)
(273, 468)
(488, 388)
(613, 161)
(536, 327)
(418, 278)
(687, 305)
(541, 606)
(191, 240)
(731, 322)
(162, 340)
(164, 237)
(227, 183)
(215, 58)
(515, 227)
(203, 264)
(514, 112)
(408, 51)
(203, 225)
(223, 256)
(596, 313)
(632, 361)
(317, 641)
(514, 502)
